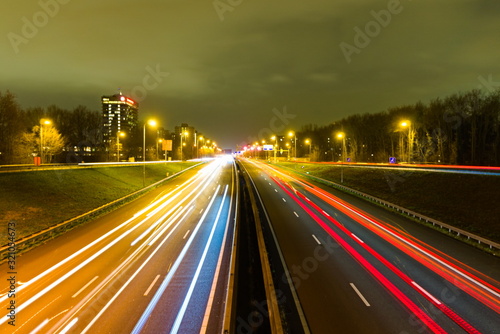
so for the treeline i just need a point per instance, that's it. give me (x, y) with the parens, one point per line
(56, 134)
(462, 128)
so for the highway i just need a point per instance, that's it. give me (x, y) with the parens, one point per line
(159, 264)
(357, 268)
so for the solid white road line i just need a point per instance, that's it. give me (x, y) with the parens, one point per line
(182, 311)
(359, 294)
(67, 328)
(152, 304)
(185, 235)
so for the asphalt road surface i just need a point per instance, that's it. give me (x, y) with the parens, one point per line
(157, 265)
(357, 268)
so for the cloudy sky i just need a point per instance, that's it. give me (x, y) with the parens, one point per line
(235, 68)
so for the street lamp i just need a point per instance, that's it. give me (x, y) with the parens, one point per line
(43, 122)
(151, 122)
(294, 135)
(341, 135)
(118, 135)
(160, 141)
(407, 124)
(185, 133)
(200, 139)
(308, 141)
(275, 138)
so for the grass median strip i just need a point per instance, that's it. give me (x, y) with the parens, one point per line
(42, 199)
(466, 201)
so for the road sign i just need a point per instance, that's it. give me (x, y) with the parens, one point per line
(392, 160)
(268, 147)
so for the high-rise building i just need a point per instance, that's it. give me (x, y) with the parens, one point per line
(119, 114)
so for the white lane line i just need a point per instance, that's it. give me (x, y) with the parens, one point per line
(373, 222)
(359, 294)
(37, 328)
(182, 311)
(67, 328)
(164, 240)
(270, 184)
(357, 238)
(208, 308)
(275, 189)
(319, 242)
(296, 213)
(326, 213)
(81, 250)
(151, 285)
(84, 287)
(426, 293)
(166, 281)
(185, 235)
(284, 200)
(201, 211)
(46, 321)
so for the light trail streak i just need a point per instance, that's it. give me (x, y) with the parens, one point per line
(152, 304)
(194, 281)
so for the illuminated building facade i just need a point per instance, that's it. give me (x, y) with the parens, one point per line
(119, 114)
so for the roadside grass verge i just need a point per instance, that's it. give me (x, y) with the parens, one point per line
(37, 200)
(467, 201)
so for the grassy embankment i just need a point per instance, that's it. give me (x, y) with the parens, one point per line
(36, 200)
(467, 201)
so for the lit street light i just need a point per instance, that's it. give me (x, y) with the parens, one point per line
(341, 135)
(308, 141)
(275, 138)
(150, 123)
(118, 135)
(294, 135)
(185, 133)
(42, 123)
(406, 124)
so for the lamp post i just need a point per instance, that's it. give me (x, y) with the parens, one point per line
(275, 138)
(150, 123)
(341, 135)
(407, 124)
(200, 139)
(118, 135)
(294, 135)
(308, 141)
(185, 133)
(160, 141)
(42, 123)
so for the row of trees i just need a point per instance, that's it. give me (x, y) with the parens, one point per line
(61, 135)
(27, 133)
(462, 128)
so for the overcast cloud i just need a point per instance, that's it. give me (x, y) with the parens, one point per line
(225, 72)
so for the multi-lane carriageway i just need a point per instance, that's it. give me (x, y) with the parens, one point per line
(163, 263)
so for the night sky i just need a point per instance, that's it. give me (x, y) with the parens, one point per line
(229, 67)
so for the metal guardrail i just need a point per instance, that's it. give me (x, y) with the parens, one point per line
(451, 229)
(28, 242)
